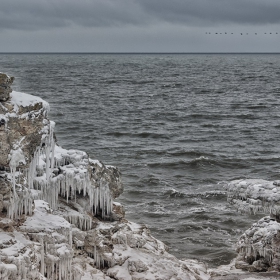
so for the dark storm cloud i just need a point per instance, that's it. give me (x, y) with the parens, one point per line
(45, 14)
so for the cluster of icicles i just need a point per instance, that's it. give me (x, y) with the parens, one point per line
(258, 250)
(99, 261)
(48, 259)
(56, 259)
(254, 206)
(55, 172)
(260, 242)
(52, 176)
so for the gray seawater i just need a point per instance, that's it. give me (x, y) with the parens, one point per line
(179, 127)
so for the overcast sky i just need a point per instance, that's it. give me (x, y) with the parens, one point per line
(139, 25)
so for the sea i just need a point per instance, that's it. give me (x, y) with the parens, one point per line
(178, 126)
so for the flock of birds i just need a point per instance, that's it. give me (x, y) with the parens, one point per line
(220, 33)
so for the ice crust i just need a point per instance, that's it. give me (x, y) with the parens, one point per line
(21, 99)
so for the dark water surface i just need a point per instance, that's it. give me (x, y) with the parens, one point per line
(177, 126)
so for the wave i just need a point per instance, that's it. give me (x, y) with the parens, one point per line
(208, 194)
(142, 82)
(260, 106)
(174, 193)
(193, 163)
(144, 134)
(189, 153)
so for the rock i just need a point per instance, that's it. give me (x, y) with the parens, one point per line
(258, 247)
(5, 89)
(255, 195)
(136, 266)
(20, 127)
(118, 212)
(6, 224)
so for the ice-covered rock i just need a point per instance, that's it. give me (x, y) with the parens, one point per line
(259, 247)
(25, 124)
(58, 218)
(255, 195)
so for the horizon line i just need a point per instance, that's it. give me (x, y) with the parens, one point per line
(139, 52)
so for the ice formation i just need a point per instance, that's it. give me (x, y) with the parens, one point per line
(53, 171)
(44, 178)
(252, 196)
(258, 248)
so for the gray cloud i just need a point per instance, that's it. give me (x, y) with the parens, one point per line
(37, 14)
(201, 12)
(46, 14)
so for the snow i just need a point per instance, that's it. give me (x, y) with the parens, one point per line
(43, 220)
(23, 99)
(94, 161)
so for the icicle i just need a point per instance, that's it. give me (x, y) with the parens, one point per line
(53, 150)
(70, 237)
(13, 171)
(42, 270)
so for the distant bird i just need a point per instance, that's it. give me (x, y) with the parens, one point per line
(241, 34)
(256, 33)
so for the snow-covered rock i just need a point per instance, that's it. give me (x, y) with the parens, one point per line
(58, 219)
(255, 195)
(259, 247)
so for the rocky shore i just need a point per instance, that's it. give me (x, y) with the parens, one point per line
(58, 218)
